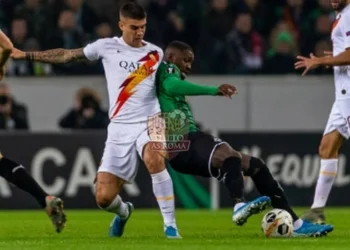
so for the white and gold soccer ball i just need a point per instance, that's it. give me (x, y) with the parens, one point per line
(277, 223)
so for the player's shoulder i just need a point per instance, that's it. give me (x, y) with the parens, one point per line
(152, 46)
(104, 41)
(169, 68)
(345, 14)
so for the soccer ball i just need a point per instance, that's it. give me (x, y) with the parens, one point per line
(277, 223)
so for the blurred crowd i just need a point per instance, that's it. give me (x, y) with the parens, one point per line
(228, 36)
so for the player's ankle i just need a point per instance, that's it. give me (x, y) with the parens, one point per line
(170, 224)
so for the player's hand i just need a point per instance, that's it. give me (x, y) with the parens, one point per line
(307, 63)
(18, 54)
(227, 90)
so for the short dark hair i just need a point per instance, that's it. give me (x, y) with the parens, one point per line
(132, 10)
(180, 46)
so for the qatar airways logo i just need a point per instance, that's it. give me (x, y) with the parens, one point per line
(138, 68)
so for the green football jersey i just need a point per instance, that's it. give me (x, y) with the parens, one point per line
(172, 91)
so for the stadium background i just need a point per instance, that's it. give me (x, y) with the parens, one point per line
(252, 44)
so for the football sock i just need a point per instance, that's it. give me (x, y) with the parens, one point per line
(164, 193)
(233, 179)
(118, 207)
(328, 173)
(267, 185)
(17, 175)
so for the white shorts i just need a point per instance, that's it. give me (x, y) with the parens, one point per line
(123, 143)
(339, 118)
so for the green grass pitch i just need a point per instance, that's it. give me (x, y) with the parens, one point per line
(201, 229)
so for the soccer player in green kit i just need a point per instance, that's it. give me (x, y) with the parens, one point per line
(16, 173)
(207, 156)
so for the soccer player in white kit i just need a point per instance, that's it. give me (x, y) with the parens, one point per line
(338, 125)
(130, 65)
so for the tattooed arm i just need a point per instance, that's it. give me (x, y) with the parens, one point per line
(54, 56)
(6, 48)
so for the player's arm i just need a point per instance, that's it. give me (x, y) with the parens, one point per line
(54, 56)
(339, 60)
(6, 48)
(176, 86)
(93, 51)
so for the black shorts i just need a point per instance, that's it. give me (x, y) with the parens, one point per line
(197, 160)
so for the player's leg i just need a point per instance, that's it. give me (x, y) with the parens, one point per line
(108, 188)
(162, 186)
(118, 166)
(333, 138)
(267, 185)
(17, 175)
(210, 157)
(328, 151)
(230, 162)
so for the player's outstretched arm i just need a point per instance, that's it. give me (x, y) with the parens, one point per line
(312, 62)
(175, 86)
(6, 48)
(54, 56)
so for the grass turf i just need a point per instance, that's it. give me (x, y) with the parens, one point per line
(201, 229)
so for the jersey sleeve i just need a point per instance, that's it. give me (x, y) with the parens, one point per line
(94, 51)
(173, 84)
(345, 29)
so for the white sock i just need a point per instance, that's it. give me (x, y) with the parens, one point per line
(238, 205)
(118, 207)
(297, 224)
(328, 173)
(164, 193)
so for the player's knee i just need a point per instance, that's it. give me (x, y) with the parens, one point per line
(154, 161)
(255, 165)
(222, 153)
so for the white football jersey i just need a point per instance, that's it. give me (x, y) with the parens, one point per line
(130, 74)
(341, 42)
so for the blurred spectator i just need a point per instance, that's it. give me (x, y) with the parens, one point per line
(68, 35)
(281, 58)
(12, 114)
(85, 16)
(104, 30)
(25, 68)
(19, 32)
(87, 112)
(244, 46)
(20, 39)
(259, 13)
(217, 23)
(35, 15)
(293, 14)
(321, 30)
(320, 47)
(205, 24)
